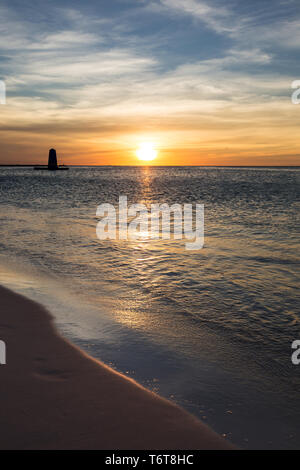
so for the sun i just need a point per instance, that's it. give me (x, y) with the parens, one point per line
(146, 152)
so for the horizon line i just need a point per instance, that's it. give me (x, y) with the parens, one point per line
(29, 165)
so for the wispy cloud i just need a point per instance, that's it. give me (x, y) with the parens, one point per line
(219, 18)
(225, 19)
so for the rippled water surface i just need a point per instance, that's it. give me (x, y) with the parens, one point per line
(211, 329)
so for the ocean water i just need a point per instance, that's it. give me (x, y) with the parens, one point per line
(211, 329)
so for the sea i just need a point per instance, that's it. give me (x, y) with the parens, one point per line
(211, 329)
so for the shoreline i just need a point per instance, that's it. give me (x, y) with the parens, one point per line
(55, 396)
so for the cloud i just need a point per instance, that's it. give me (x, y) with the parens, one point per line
(65, 40)
(246, 28)
(282, 34)
(35, 61)
(221, 19)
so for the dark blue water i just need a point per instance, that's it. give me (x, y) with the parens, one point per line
(211, 329)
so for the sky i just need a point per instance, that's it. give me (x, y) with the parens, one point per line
(206, 82)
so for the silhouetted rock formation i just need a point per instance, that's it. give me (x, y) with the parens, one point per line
(52, 161)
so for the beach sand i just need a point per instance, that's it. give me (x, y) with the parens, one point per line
(54, 396)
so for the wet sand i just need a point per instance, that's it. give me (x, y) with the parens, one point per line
(54, 396)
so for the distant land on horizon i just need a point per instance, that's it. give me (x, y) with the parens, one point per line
(159, 166)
